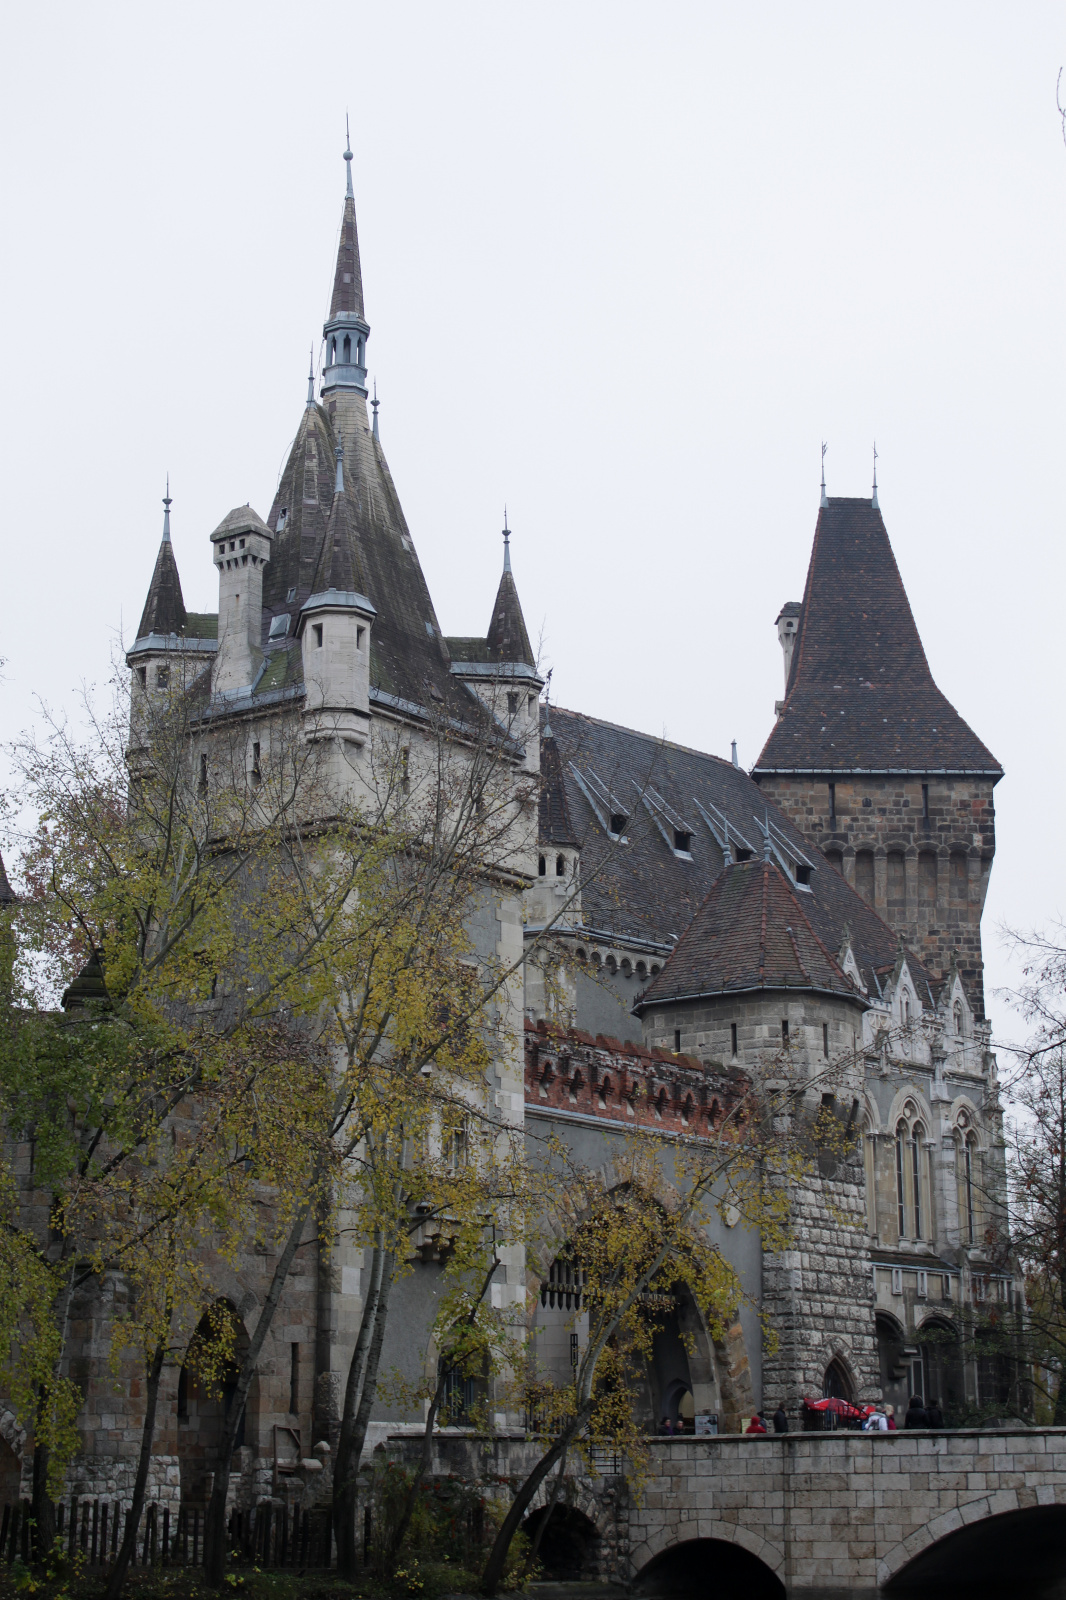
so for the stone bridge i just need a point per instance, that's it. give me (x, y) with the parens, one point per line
(845, 1514)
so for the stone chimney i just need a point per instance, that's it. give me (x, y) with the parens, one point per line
(787, 628)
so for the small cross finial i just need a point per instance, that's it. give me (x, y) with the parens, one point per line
(374, 405)
(348, 154)
(875, 504)
(824, 500)
(311, 378)
(167, 502)
(506, 543)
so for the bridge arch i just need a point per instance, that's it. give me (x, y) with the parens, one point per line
(995, 1542)
(740, 1558)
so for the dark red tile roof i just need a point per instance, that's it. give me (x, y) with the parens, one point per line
(860, 694)
(751, 932)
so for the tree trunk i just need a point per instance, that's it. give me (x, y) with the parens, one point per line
(490, 1578)
(354, 1424)
(542, 1525)
(140, 1484)
(215, 1517)
(42, 1509)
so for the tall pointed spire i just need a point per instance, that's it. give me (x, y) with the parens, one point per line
(346, 330)
(164, 609)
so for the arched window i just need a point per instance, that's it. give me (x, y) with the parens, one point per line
(542, 866)
(917, 1134)
(905, 1007)
(869, 1152)
(969, 1162)
(958, 1018)
(836, 1384)
(332, 351)
(901, 1192)
(347, 347)
(560, 866)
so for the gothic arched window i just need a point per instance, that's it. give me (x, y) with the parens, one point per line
(958, 1018)
(917, 1134)
(901, 1191)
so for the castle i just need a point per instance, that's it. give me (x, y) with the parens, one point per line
(828, 904)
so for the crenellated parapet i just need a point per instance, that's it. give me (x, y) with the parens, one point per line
(575, 1073)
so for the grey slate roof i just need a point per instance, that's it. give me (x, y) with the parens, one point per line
(348, 276)
(164, 609)
(507, 639)
(642, 888)
(8, 897)
(860, 694)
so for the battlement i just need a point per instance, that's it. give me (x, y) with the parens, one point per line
(620, 1082)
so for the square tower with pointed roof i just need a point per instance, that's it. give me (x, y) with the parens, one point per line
(869, 758)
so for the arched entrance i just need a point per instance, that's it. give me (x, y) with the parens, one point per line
(206, 1384)
(942, 1369)
(1020, 1553)
(895, 1368)
(701, 1568)
(569, 1550)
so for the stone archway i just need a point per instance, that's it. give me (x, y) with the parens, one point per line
(721, 1558)
(569, 1550)
(204, 1390)
(1009, 1550)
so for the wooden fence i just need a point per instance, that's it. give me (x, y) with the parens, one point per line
(171, 1535)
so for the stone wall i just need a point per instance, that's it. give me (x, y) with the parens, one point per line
(921, 860)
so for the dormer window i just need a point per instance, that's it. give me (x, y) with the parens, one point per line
(279, 626)
(283, 517)
(742, 854)
(803, 876)
(682, 842)
(618, 823)
(290, 597)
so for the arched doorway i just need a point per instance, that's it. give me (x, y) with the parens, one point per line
(700, 1568)
(206, 1383)
(569, 1550)
(942, 1368)
(893, 1362)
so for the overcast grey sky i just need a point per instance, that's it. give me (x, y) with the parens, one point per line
(625, 267)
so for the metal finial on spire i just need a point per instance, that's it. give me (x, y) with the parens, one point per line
(311, 378)
(767, 847)
(338, 486)
(374, 404)
(825, 499)
(547, 731)
(506, 543)
(167, 502)
(875, 504)
(736, 763)
(348, 154)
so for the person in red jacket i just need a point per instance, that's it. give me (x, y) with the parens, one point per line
(757, 1424)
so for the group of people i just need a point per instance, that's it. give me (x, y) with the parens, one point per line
(882, 1419)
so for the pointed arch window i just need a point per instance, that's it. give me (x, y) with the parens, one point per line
(901, 1169)
(347, 347)
(917, 1135)
(958, 1018)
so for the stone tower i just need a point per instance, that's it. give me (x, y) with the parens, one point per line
(867, 756)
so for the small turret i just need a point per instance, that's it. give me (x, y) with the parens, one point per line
(171, 646)
(787, 628)
(334, 630)
(242, 544)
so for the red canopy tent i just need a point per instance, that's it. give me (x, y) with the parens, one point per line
(842, 1408)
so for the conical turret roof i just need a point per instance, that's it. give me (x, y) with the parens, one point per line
(507, 638)
(860, 694)
(751, 932)
(348, 276)
(164, 609)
